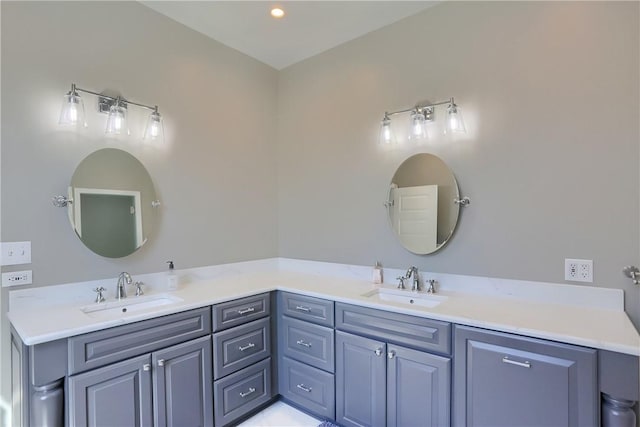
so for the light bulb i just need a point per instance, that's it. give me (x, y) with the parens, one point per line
(386, 134)
(72, 111)
(154, 129)
(417, 124)
(455, 123)
(116, 122)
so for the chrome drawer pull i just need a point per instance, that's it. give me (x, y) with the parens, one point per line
(304, 388)
(303, 308)
(251, 390)
(304, 344)
(146, 367)
(246, 311)
(246, 347)
(526, 364)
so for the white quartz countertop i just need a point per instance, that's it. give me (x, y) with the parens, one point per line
(602, 328)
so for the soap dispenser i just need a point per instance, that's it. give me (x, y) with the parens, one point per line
(172, 278)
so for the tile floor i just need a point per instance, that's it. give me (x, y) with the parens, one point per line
(281, 415)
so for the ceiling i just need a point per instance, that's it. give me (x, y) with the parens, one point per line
(308, 27)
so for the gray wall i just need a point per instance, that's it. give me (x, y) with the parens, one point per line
(215, 174)
(549, 91)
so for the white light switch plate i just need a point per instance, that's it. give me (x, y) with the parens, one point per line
(578, 270)
(13, 253)
(16, 278)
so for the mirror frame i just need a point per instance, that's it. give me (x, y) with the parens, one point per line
(447, 202)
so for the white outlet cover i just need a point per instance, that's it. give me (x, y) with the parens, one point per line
(578, 270)
(16, 278)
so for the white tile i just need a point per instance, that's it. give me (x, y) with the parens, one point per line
(281, 415)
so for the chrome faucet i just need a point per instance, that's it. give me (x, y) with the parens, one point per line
(413, 271)
(123, 278)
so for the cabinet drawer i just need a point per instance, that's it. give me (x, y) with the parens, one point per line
(413, 331)
(308, 387)
(242, 392)
(306, 342)
(311, 309)
(537, 382)
(237, 312)
(240, 347)
(104, 347)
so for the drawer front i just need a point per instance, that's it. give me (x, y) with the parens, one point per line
(308, 387)
(242, 392)
(413, 331)
(104, 347)
(237, 312)
(308, 343)
(240, 347)
(311, 309)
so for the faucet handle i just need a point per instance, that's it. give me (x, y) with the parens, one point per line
(432, 288)
(99, 296)
(401, 280)
(139, 290)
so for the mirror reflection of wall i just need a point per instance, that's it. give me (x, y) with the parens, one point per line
(112, 195)
(421, 204)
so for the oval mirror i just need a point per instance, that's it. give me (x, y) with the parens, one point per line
(421, 205)
(113, 199)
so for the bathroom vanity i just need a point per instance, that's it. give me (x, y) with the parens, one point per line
(331, 346)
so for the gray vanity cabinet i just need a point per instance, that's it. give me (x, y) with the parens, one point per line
(306, 353)
(387, 373)
(170, 387)
(118, 394)
(379, 384)
(242, 363)
(508, 380)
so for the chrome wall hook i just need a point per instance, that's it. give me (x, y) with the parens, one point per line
(61, 201)
(465, 201)
(633, 273)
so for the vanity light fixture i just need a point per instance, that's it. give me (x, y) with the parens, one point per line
(72, 113)
(420, 117)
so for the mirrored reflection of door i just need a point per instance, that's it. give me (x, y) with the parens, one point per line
(415, 217)
(109, 223)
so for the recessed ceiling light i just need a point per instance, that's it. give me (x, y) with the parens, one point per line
(276, 12)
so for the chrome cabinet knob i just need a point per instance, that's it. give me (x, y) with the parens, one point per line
(391, 354)
(161, 362)
(378, 351)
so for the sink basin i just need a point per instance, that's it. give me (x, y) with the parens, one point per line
(405, 297)
(129, 305)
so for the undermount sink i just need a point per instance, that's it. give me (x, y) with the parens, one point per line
(129, 305)
(405, 297)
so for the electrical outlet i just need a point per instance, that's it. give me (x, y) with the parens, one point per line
(578, 270)
(15, 278)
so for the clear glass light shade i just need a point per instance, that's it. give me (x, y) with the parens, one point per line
(154, 129)
(417, 126)
(386, 133)
(455, 123)
(72, 111)
(117, 120)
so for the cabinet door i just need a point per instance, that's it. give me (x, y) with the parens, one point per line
(115, 395)
(183, 384)
(507, 380)
(418, 388)
(360, 381)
